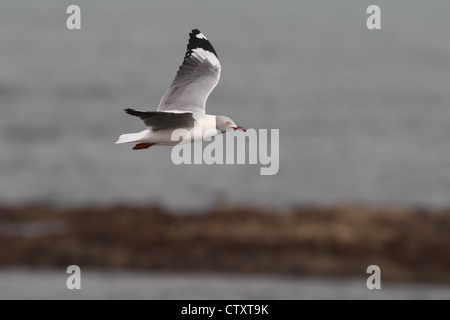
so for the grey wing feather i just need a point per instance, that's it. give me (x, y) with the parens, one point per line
(158, 120)
(196, 78)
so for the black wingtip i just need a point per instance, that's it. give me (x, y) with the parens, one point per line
(133, 112)
(199, 42)
(129, 111)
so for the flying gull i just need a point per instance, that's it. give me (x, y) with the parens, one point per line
(183, 104)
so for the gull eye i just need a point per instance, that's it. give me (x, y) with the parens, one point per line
(227, 123)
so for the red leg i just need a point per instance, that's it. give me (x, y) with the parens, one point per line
(141, 146)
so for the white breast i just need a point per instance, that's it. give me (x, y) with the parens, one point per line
(205, 127)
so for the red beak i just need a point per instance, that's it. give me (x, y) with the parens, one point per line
(239, 128)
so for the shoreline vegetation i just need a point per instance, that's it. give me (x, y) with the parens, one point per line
(408, 244)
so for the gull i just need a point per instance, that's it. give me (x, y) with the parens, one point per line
(183, 104)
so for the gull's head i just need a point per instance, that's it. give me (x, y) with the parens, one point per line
(224, 123)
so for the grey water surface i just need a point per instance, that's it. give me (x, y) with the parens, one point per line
(33, 284)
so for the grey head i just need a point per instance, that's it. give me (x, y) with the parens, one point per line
(224, 123)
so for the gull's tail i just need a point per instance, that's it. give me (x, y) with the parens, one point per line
(132, 137)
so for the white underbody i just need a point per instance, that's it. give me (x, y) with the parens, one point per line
(204, 123)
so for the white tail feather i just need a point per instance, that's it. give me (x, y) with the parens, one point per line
(132, 137)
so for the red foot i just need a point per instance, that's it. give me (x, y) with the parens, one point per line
(141, 146)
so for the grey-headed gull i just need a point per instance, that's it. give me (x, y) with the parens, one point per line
(183, 104)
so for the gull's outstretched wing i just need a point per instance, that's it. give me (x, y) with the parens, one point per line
(159, 120)
(196, 77)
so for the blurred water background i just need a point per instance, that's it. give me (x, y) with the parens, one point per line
(363, 115)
